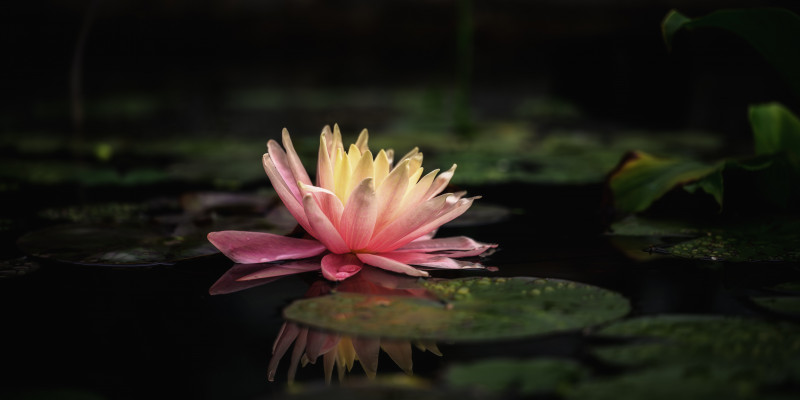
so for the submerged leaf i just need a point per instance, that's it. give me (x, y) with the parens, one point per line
(767, 348)
(470, 309)
(526, 377)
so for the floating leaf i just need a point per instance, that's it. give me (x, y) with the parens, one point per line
(17, 267)
(762, 239)
(470, 309)
(773, 32)
(112, 245)
(526, 377)
(640, 179)
(775, 129)
(674, 382)
(131, 245)
(782, 304)
(766, 348)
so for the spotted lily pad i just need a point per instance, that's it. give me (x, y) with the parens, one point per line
(470, 309)
(763, 239)
(766, 350)
(527, 377)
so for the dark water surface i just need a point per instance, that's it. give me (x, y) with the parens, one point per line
(151, 332)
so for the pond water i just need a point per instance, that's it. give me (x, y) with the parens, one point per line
(686, 328)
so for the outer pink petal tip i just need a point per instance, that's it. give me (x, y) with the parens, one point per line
(337, 267)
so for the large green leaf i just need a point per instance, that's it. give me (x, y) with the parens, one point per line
(775, 129)
(773, 32)
(768, 350)
(641, 179)
(470, 309)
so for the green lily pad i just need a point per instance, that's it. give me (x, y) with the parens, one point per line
(132, 244)
(676, 382)
(17, 267)
(525, 377)
(112, 245)
(640, 179)
(471, 309)
(766, 349)
(761, 239)
(784, 304)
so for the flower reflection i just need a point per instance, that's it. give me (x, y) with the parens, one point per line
(364, 210)
(337, 351)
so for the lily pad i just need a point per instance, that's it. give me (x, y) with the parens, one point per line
(526, 377)
(675, 382)
(470, 309)
(112, 245)
(783, 304)
(759, 239)
(767, 350)
(132, 244)
(17, 267)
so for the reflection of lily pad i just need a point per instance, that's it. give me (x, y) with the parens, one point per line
(471, 309)
(526, 377)
(765, 349)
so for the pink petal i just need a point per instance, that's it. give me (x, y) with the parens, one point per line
(360, 214)
(449, 243)
(400, 352)
(237, 278)
(298, 170)
(322, 227)
(337, 267)
(297, 353)
(390, 264)
(286, 337)
(319, 343)
(445, 215)
(390, 194)
(440, 183)
(284, 190)
(289, 268)
(368, 350)
(384, 239)
(424, 259)
(257, 247)
(324, 166)
(281, 163)
(328, 202)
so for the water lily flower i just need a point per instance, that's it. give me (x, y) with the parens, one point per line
(364, 209)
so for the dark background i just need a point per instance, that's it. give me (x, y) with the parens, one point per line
(605, 56)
